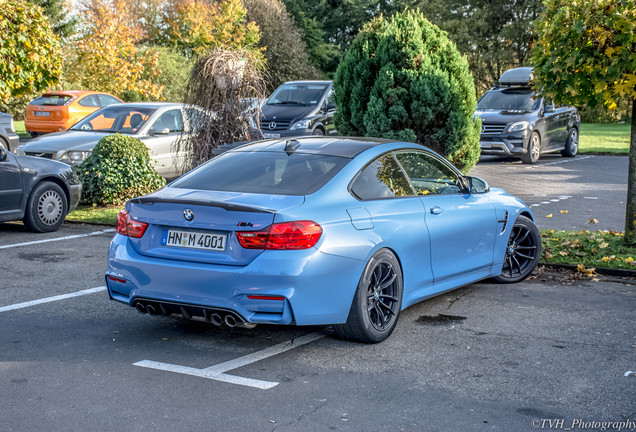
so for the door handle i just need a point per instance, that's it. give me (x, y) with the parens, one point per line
(437, 210)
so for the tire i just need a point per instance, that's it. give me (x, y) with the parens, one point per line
(4, 144)
(318, 131)
(522, 252)
(534, 149)
(46, 208)
(572, 144)
(377, 302)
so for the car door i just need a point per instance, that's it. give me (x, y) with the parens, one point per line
(329, 108)
(162, 138)
(552, 125)
(388, 206)
(462, 226)
(10, 187)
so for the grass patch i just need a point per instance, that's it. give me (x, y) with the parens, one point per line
(604, 138)
(590, 248)
(95, 214)
(20, 129)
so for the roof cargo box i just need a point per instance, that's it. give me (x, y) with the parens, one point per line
(517, 76)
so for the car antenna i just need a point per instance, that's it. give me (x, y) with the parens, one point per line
(291, 146)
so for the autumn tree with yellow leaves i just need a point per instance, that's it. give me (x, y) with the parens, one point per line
(104, 55)
(586, 55)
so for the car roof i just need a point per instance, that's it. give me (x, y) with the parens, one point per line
(73, 92)
(149, 104)
(309, 82)
(348, 147)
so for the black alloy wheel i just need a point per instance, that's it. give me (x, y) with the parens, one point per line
(377, 302)
(522, 252)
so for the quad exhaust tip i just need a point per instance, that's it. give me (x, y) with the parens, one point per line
(214, 316)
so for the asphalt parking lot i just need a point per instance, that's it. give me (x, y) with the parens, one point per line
(484, 357)
(584, 192)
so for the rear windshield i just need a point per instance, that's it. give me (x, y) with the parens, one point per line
(518, 99)
(264, 173)
(56, 100)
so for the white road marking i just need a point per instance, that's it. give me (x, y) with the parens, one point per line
(592, 198)
(51, 299)
(630, 373)
(564, 160)
(217, 372)
(561, 198)
(109, 230)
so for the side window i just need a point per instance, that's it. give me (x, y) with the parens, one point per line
(428, 174)
(330, 103)
(171, 120)
(90, 101)
(382, 178)
(106, 100)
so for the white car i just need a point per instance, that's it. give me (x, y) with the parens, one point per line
(159, 125)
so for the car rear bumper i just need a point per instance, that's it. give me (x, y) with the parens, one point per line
(46, 126)
(308, 287)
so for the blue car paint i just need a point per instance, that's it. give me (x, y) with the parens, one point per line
(437, 252)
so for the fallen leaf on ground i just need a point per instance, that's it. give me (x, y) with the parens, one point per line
(549, 216)
(564, 211)
(593, 221)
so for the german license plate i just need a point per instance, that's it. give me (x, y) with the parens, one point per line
(194, 240)
(271, 135)
(42, 113)
(485, 145)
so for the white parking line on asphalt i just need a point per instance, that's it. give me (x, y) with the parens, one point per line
(559, 162)
(94, 233)
(51, 299)
(217, 372)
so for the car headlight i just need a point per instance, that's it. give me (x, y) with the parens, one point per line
(519, 126)
(20, 150)
(303, 124)
(75, 157)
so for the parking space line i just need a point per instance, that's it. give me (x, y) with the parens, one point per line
(217, 372)
(94, 233)
(51, 299)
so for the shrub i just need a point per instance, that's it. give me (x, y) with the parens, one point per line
(118, 169)
(404, 79)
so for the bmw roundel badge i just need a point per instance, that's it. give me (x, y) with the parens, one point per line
(188, 215)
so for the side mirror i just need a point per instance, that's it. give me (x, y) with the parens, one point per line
(3, 154)
(548, 108)
(331, 106)
(164, 131)
(477, 185)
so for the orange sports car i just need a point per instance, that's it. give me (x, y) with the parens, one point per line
(57, 111)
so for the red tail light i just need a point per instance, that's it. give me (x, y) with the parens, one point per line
(128, 226)
(282, 236)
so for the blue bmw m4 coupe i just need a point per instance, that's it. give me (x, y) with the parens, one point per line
(316, 231)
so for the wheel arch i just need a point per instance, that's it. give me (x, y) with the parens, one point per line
(55, 180)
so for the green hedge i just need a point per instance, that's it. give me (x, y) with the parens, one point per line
(118, 169)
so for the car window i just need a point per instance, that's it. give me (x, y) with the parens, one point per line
(264, 172)
(55, 100)
(382, 178)
(106, 100)
(171, 120)
(115, 118)
(90, 101)
(521, 99)
(429, 175)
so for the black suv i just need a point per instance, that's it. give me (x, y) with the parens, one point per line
(517, 123)
(297, 108)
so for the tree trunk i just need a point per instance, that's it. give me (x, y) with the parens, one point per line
(630, 214)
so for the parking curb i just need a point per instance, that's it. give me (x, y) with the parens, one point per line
(608, 271)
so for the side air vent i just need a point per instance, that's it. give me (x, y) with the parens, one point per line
(504, 223)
